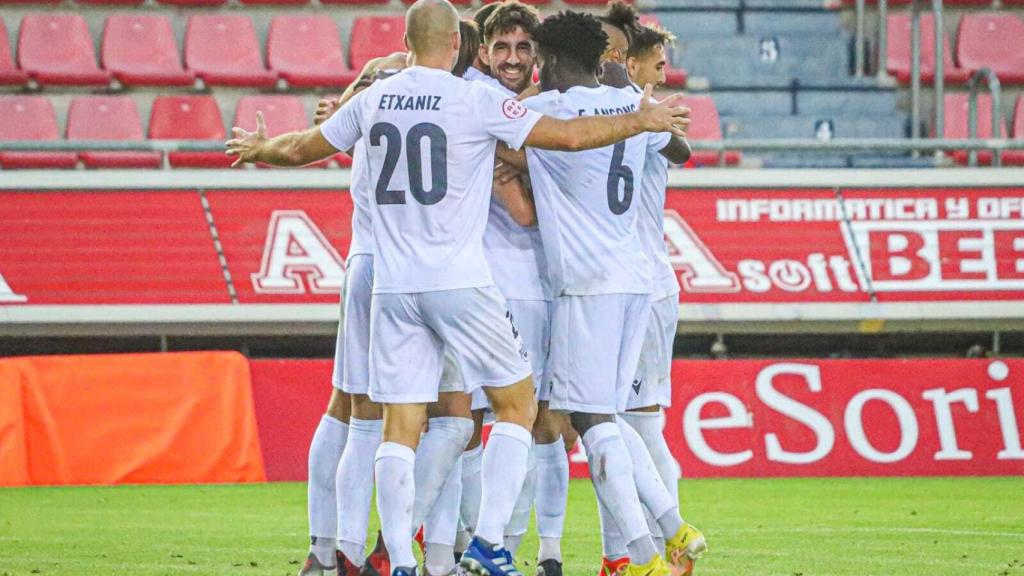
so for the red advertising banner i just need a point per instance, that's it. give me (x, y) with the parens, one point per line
(807, 245)
(799, 245)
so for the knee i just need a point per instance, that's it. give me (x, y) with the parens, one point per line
(340, 406)
(583, 422)
(459, 429)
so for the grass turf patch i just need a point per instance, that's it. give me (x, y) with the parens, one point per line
(791, 527)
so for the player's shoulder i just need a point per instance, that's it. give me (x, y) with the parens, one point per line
(548, 102)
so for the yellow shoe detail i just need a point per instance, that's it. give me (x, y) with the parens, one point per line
(685, 548)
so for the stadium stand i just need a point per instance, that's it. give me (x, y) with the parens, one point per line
(9, 72)
(374, 36)
(898, 53)
(108, 118)
(281, 114)
(223, 49)
(192, 2)
(140, 50)
(994, 41)
(674, 77)
(706, 126)
(56, 48)
(307, 51)
(31, 118)
(189, 118)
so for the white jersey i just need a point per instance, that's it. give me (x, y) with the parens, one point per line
(362, 225)
(514, 252)
(430, 140)
(651, 223)
(587, 201)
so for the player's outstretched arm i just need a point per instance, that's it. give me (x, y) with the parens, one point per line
(291, 149)
(597, 131)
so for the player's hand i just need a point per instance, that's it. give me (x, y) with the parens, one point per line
(325, 108)
(504, 173)
(668, 115)
(246, 144)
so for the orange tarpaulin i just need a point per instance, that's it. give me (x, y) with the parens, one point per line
(133, 418)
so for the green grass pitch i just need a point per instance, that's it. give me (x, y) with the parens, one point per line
(790, 527)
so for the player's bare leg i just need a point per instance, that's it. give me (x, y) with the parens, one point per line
(552, 487)
(324, 453)
(355, 481)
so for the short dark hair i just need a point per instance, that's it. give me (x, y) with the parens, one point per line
(468, 48)
(647, 37)
(508, 16)
(572, 36)
(622, 16)
(481, 15)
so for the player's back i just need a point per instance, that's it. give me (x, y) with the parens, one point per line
(430, 140)
(587, 202)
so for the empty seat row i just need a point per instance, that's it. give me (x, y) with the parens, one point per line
(956, 115)
(991, 40)
(220, 49)
(116, 118)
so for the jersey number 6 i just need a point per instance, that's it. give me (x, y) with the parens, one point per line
(414, 156)
(619, 171)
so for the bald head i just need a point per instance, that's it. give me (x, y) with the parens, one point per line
(430, 26)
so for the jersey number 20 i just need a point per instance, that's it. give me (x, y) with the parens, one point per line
(619, 171)
(438, 141)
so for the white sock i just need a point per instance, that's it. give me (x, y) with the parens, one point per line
(436, 455)
(520, 519)
(613, 545)
(396, 492)
(550, 549)
(463, 538)
(439, 559)
(552, 492)
(355, 482)
(649, 487)
(442, 524)
(502, 476)
(324, 452)
(512, 542)
(652, 525)
(469, 509)
(612, 474)
(651, 427)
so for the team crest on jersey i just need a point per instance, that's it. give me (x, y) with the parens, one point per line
(513, 109)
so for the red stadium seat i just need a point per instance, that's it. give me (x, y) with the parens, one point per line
(673, 76)
(541, 2)
(456, 2)
(56, 48)
(281, 113)
(1016, 157)
(706, 126)
(223, 50)
(307, 51)
(899, 51)
(189, 118)
(374, 36)
(354, 1)
(108, 118)
(992, 40)
(31, 118)
(9, 73)
(120, 2)
(192, 2)
(259, 2)
(956, 114)
(141, 51)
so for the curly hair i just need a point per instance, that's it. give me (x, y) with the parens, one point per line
(622, 16)
(647, 37)
(481, 15)
(508, 16)
(468, 48)
(572, 36)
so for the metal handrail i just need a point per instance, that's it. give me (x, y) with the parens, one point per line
(883, 40)
(858, 41)
(915, 70)
(994, 89)
(939, 68)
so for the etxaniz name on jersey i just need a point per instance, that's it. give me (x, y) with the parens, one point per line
(403, 102)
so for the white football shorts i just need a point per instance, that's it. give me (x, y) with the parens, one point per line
(409, 333)
(337, 376)
(533, 319)
(652, 385)
(595, 349)
(358, 295)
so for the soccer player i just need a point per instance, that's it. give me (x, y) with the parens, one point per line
(642, 422)
(430, 140)
(600, 274)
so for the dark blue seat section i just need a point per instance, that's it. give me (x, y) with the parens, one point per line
(767, 60)
(687, 25)
(803, 5)
(893, 125)
(821, 23)
(650, 5)
(846, 102)
(750, 102)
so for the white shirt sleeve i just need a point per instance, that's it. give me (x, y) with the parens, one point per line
(503, 117)
(657, 141)
(344, 128)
